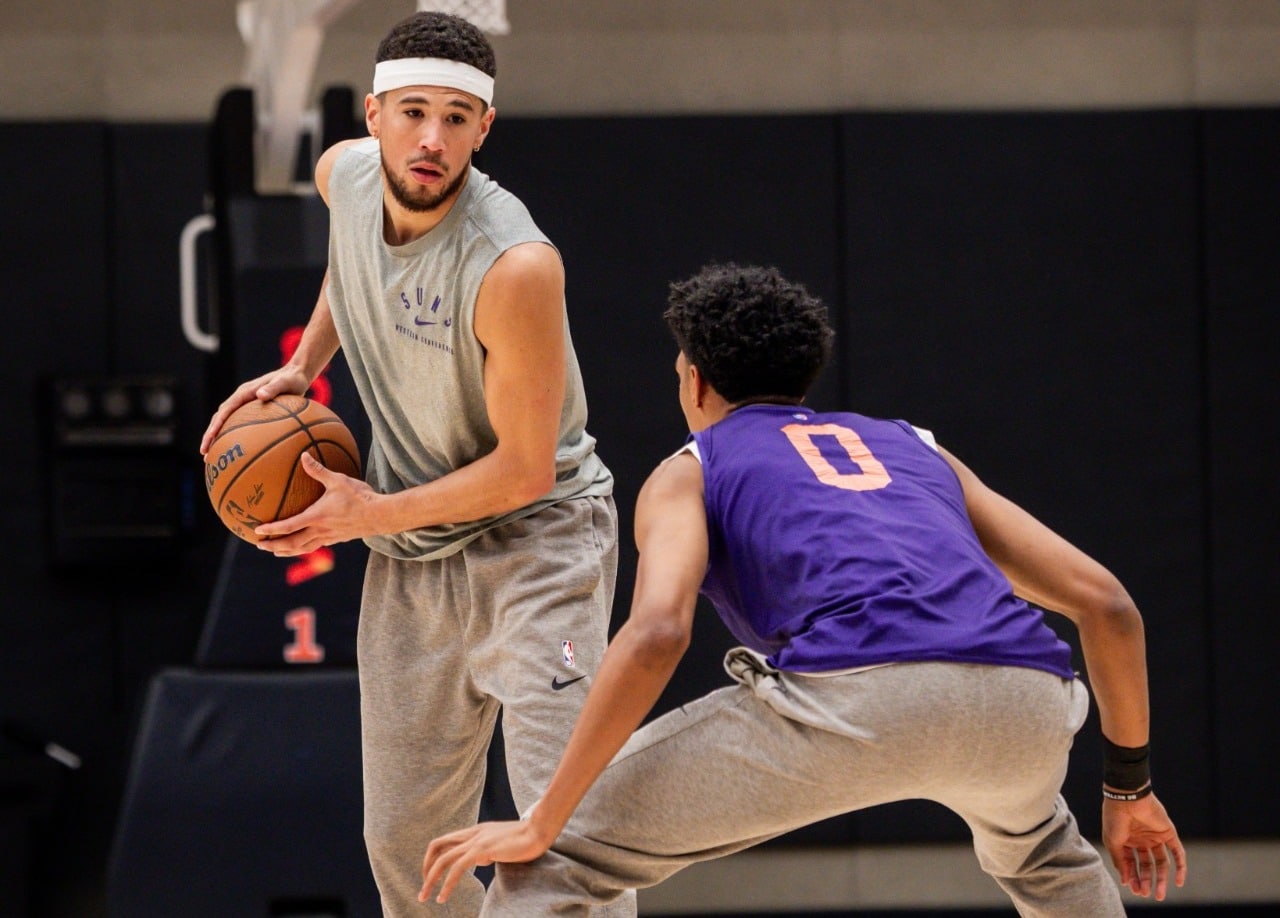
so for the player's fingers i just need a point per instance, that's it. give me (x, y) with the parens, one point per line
(316, 469)
(1132, 871)
(1120, 860)
(211, 432)
(432, 865)
(1143, 859)
(220, 415)
(1161, 862)
(430, 881)
(462, 862)
(1179, 855)
(242, 395)
(270, 389)
(441, 846)
(270, 532)
(284, 538)
(431, 869)
(312, 518)
(206, 438)
(440, 854)
(1117, 861)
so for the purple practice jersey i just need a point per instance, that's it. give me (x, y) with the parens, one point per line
(839, 541)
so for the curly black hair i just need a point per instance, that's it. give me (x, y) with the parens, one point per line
(751, 332)
(433, 34)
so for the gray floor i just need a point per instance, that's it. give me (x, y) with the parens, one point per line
(938, 879)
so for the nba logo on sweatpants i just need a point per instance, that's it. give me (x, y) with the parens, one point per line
(566, 650)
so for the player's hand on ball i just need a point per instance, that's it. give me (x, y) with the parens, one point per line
(283, 381)
(451, 857)
(344, 512)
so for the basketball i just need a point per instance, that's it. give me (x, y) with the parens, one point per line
(253, 469)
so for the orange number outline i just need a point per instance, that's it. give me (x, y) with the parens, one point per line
(871, 474)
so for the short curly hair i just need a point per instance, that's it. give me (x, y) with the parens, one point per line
(751, 332)
(434, 34)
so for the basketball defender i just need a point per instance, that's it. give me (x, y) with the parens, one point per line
(874, 582)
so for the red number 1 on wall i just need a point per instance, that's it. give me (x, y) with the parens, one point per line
(304, 649)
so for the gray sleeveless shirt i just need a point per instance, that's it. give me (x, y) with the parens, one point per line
(404, 319)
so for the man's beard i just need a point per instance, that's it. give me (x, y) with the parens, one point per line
(421, 200)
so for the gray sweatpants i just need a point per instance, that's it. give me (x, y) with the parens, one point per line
(779, 750)
(508, 622)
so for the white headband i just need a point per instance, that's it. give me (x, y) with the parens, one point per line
(432, 71)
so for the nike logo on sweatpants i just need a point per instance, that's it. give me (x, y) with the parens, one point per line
(558, 685)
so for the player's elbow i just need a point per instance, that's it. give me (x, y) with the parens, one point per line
(659, 642)
(1112, 610)
(531, 483)
(527, 476)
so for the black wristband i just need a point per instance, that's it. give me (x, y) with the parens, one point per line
(1128, 795)
(1125, 768)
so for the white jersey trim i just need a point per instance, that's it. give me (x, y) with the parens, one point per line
(926, 436)
(691, 448)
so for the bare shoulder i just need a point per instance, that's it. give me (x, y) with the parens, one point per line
(528, 262)
(676, 478)
(671, 519)
(521, 298)
(324, 165)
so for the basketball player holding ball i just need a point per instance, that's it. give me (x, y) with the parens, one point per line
(489, 516)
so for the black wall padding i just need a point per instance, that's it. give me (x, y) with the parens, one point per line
(1242, 250)
(1026, 286)
(244, 799)
(159, 179)
(54, 280)
(231, 142)
(57, 670)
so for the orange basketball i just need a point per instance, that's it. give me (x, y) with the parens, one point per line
(253, 470)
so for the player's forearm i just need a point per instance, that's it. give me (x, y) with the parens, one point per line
(494, 484)
(636, 668)
(1114, 647)
(319, 340)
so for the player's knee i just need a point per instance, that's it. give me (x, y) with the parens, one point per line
(393, 839)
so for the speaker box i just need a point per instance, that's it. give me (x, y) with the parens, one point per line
(115, 485)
